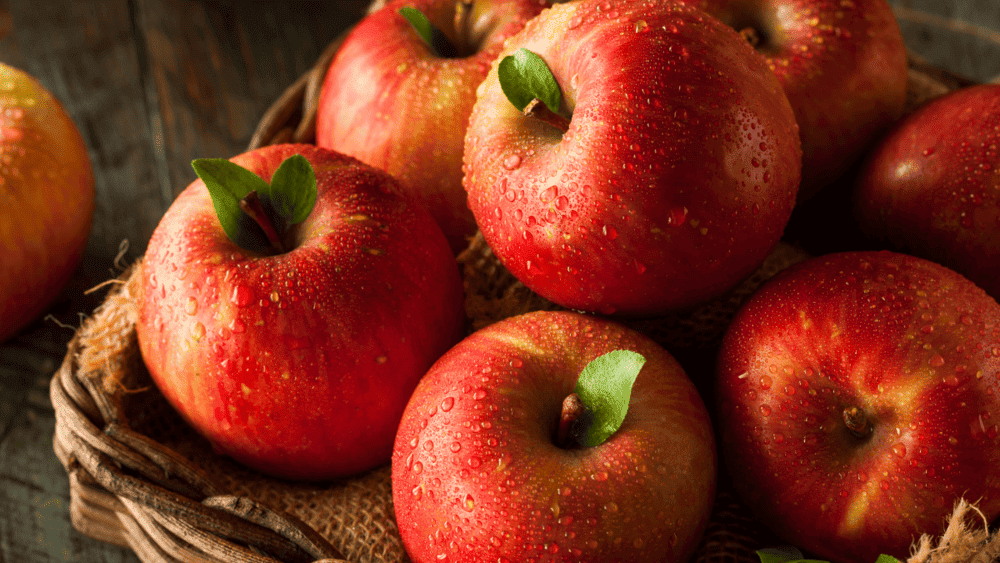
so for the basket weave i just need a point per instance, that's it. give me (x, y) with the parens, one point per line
(141, 478)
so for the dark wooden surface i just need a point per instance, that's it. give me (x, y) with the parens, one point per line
(153, 84)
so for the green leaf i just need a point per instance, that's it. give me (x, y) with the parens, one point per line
(887, 559)
(605, 387)
(524, 76)
(784, 554)
(228, 183)
(431, 35)
(293, 189)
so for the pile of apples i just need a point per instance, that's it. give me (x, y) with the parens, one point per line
(302, 308)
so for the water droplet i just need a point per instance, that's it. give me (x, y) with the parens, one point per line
(456, 447)
(237, 326)
(242, 295)
(765, 410)
(936, 360)
(512, 162)
(677, 216)
(611, 507)
(610, 232)
(418, 492)
(765, 382)
(498, 213)
(447, 404)
(899, 449)
(475, 462)
(428, 445)
(417, 467)
(601, 476)
(192, 306)
(468, 503)
(549, 194)
(779, 437)
(480, 394)
(198, 332)
(575, 22)
(928, 151)
(641, 26)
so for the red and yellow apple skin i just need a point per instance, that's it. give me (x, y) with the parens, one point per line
(299, 364)
(913, 345)
(47, 199)
(932, 185)
(476, 474)
(842, 65)
(675, 179)
(391, 102)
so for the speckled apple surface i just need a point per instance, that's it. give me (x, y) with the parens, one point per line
(912, 345)
(477, 475)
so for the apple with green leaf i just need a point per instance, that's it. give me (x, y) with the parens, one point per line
(47, 199)
(290, 299)
(399, 92)
(859, 399)
(631, 158)
(842, 64)
(554, 436)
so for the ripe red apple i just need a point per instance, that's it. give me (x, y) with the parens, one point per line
(478, 474)
(673, 180)
(299, 363)
(859, 399)
(46, 198)
(393, 102)
(842, 64)
(931, 185)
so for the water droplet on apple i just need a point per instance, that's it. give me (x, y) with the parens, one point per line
(610, 232)
(498, 213)
(899, 449)
(862, 476)
(480, 394)
(641, 26)
(242, 295)
(418, 492)
(191, 307)
(447, 404)
(936, 360)
(765, 410)
(928, 151)
(640, 268)
(766, 382)
(681, 114)
(549, 194)
(475, 462)
(417, 467)
(512, 162)
(468, 503)
(677, 216)
(611, 507)
(600, 476)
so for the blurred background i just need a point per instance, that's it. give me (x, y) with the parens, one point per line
(154, 84)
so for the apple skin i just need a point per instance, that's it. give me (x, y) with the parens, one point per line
(843, 67)
(47, 199)
(476, 475)
(913, 344)
(299, 364)
(676, 176)
(930, 187)
(391, 102)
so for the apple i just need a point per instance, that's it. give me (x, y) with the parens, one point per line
(296, 357)
(930, 187)
(47, 198)
(394, 102)
(842, 64)
(484, 468)
(859, 398)
(670, 177)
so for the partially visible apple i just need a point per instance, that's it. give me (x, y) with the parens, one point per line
(482, 469)
(46, 198)
(298, 361)
(393, 102)
(859, 399)
(671, 180)
(932, 185)
(842, 64)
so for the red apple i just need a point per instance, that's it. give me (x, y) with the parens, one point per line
(859, 398)
(393, 102)
(46, 199)
(842, 64)
(478, 474)
(299, 364)
(931, 186)
(674, 179)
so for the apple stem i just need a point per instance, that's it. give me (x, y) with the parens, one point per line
(751, 35)
(463, 15)
(572, 409)
(857, 422)
(536, 109)
(252, 206)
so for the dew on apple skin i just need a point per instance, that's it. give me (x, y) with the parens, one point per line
(447, 404)
(512, 162)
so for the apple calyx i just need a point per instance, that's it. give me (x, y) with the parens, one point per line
(856, 421)
(597, 407)
(255, 215)
(436, 39)
(752, 35)
(531, 87)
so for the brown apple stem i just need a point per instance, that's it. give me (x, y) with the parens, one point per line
(857, 422)
(751, 35)
(463, 15)
(572, 409)
(536, 109)
(252, 206)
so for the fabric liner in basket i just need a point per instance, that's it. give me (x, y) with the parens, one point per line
(141, 478)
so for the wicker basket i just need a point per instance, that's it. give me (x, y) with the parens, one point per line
(141, 478)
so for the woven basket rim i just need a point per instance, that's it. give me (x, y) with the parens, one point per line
(128, 490)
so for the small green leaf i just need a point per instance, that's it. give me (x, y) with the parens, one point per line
(293, 189)
(784, 554)
(605, 387)
(887, 559)
(524, 76)
(431, 35)
(228, 183)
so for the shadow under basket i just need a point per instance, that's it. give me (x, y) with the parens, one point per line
(140, 477)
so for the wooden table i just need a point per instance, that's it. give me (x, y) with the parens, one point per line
(153, 84)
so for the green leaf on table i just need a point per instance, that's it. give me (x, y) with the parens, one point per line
(782, 554)
(887, 559)
(524, 76)
(605, 387)
(293, 189)
(228, 183)
(431, 35)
